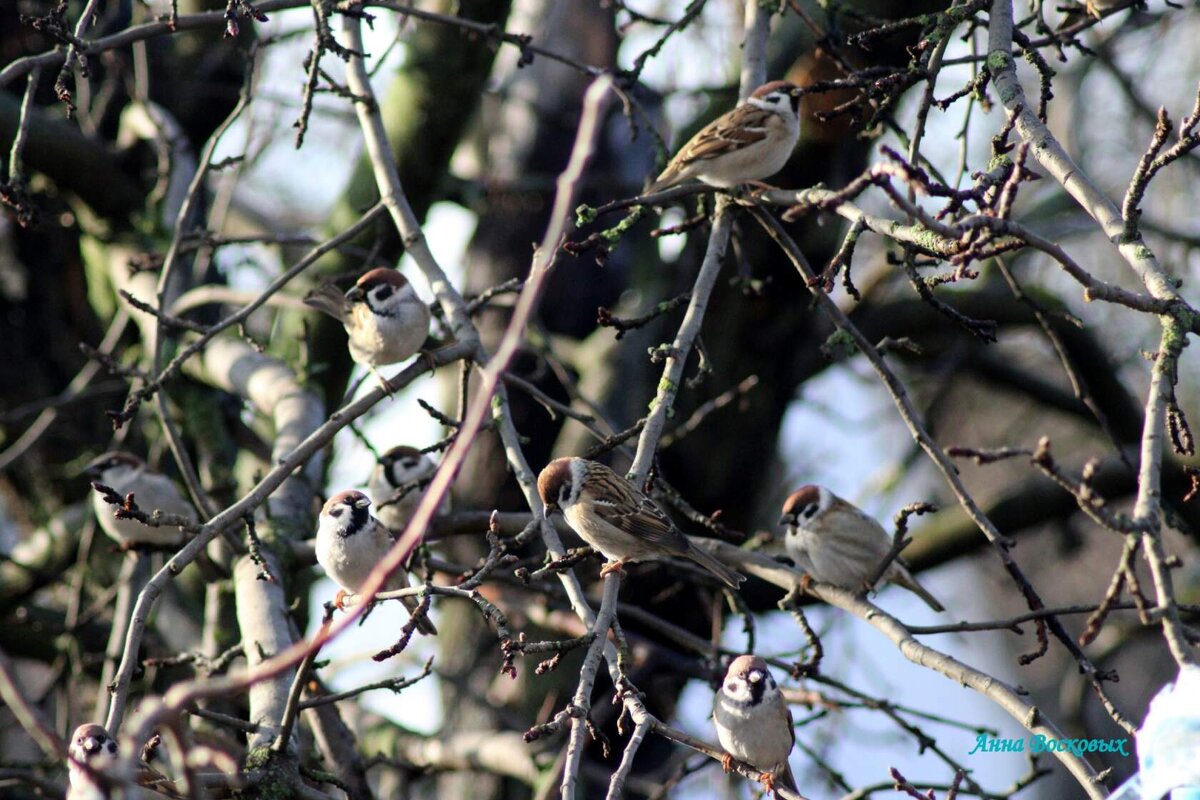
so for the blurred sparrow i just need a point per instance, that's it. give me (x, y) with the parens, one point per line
(91, 754)
(386, 322)
(618, 520)
(1089, 9)
(351, 543)
(754, 724)
(836, 543)
(751, 142)
(125, 473)
(393, 486)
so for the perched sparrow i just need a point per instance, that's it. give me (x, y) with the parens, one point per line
(838, 544)
(751, 142)
(754, 724)
(392, 486)
(351, 542)
(91, 754)
(125, 473)
(385, 320)
(618, 520)
(1089, 9)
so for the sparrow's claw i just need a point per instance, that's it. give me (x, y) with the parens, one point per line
(767, 780)
(758, 187)
(805, 582)
(340, 600)
(383, 382)
(430, 362)
(613, 566)
(727, 763)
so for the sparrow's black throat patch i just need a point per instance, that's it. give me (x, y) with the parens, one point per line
(359, 517)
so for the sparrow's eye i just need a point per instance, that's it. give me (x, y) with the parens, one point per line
(408, 463)
(564, 494)
(112, 747)
(809, 511)
(383, 293)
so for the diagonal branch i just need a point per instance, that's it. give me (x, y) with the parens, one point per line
(1175, 326)
(912, 420)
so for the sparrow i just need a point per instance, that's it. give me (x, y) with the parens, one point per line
(91, 754)
(351, 542)
(385, 319)
(611, 515)
(751, 142)
(754, 723)
(152, 491)
(836, 543)
(1089, 9)
(394, 486)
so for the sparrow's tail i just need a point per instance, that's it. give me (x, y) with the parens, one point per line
(662, 182)
(788, 781)
(726, 574)
(425, 624)
(328, 299)
(902, 577)
(671, 175)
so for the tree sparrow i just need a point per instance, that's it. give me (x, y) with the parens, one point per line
(614, 517)
(351, 542)
(836, 543)
(92, 753)
(1090, 9)
(754, 724)
(125, 473)
(751, 142)
(393, 486)
(385, 319)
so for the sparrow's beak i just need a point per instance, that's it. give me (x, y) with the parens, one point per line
(362, 502)
(355, 295)
(91, 745)
(786, 519)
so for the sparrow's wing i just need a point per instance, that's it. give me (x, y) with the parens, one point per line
(148, 777)
(786, 778)
(158, 493)
(328, 299)
(744, 126)
(399, 578)
(627, 509)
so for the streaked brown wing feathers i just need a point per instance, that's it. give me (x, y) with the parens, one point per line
(629, 510)
(743, 126)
